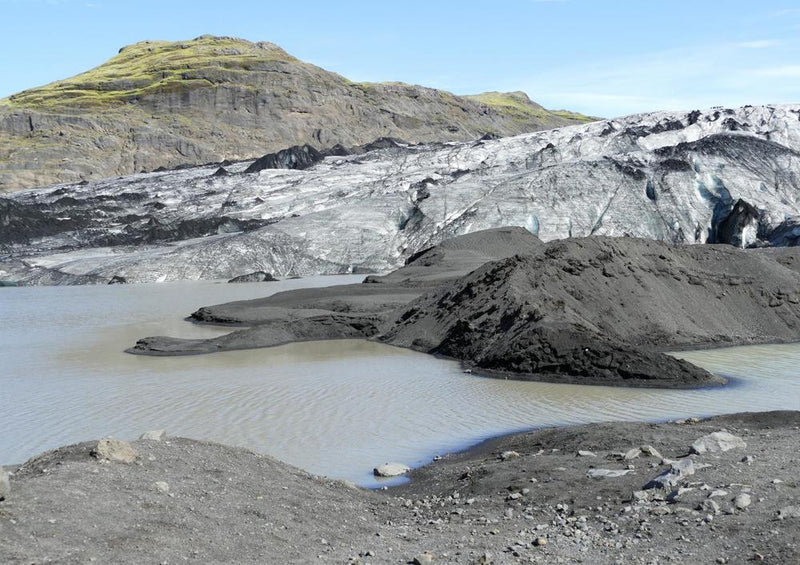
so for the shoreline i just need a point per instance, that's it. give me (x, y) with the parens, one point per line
(525, 497)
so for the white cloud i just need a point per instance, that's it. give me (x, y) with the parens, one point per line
(682, 78)
(786, 71)
(759, 44)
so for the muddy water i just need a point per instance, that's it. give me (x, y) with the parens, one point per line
(332, 408)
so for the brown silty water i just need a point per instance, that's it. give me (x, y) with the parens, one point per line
(333, 408)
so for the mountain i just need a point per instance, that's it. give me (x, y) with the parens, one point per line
(724, 175)
(163, 104)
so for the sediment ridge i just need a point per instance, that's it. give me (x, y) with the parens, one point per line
(587, 310)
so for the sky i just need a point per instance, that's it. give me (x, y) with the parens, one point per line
(602, 58)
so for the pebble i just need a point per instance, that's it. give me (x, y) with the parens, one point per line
(423, 558)
(161, 486)
(5, 484)
(540, 542)
(632, 454)
(789, 512)
(154, 435)
(508, 455)
(109, 449)
(607, 473)
(391, 470)
(586, 453)
(485, 559)
(742, 501)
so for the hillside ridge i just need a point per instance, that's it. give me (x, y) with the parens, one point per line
(161, 104)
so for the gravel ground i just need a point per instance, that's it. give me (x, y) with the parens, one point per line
(525, 498)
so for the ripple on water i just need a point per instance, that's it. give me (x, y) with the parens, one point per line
(332, 408)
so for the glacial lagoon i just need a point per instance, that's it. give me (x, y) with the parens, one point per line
(332, 408)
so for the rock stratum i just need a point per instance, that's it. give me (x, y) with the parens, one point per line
(718, 176)
(162, 104)
(594, 310)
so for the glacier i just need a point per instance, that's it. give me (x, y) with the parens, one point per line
(722, 175)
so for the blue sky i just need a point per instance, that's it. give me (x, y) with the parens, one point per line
(604, 58)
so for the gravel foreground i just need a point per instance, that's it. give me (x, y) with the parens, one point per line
(525, 498)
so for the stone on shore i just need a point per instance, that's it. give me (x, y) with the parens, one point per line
(742, 501)
(607, 473)
(5, 484)
(717, 442)
(671, 477)
(789, 512)
(109, 449)
(423, 558)
(154, 435)
(391, 470)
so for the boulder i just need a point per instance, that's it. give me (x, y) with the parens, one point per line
(717, 442)
(109, 449)
(391, 470)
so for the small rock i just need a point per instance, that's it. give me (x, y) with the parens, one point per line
(154, 435)
(742, 501)
(585, 453)
(508, 455)
(109, 449)
(540, 542)
(651, 451)
(748, 459)
(789, 512)
(5, 484)
(607, 473)
(424, 558)
(709, 506)
(161, 486)
(632, 454)
(641, 496)
(514, 496)
(678, 471)
(485, 559)
(717, 442)
(391, 470)
(717, 493)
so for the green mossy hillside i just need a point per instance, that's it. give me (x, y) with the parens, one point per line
(152, 67)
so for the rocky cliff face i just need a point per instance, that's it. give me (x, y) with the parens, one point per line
(723, 175)
(161, 104)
